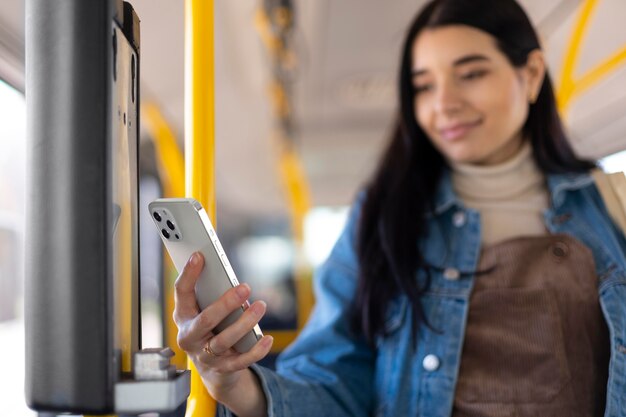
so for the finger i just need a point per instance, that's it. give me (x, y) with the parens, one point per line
(233, 363)
(233, 333)
(186, 306)
(207, 356)
(197, 331)
(204, 323)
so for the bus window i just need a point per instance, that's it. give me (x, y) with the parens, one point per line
(12, 201)
(614, 163)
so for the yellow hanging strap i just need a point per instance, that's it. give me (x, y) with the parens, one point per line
(274, 25)
(199, 143)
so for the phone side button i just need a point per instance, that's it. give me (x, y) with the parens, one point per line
(218, 247)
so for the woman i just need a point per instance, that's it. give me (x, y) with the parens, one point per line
(479, 268)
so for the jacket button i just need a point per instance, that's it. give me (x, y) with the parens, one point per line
(451, 274)
(560, 250)
(459, 218)
(430, 363)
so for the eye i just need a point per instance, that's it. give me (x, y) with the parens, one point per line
(473, 75)
(422, 88)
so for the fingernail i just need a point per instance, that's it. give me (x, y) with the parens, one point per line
(243, 290)
(258, 307)
(194, 260)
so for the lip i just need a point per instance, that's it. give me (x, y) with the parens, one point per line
(457, 130)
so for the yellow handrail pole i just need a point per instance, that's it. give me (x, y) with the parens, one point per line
(569, 87)
(199, 143)
(199, 104)
(296, 185)
(297, 190)
(170, 159)
(567, 84)
(600, 72)
(171, 167)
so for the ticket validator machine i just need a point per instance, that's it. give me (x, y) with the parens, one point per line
(83, 350)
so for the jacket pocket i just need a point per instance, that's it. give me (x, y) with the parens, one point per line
(513, 350)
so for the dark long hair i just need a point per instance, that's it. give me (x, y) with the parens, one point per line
(402, 189)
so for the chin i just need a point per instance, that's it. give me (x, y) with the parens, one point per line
(462, 156)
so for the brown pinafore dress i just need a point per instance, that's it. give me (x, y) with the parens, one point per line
(536, 342)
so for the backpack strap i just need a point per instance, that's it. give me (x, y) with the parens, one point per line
(612, 188)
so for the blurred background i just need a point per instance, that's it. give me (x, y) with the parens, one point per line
(303, 105)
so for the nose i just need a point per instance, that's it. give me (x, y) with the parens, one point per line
(447, 98)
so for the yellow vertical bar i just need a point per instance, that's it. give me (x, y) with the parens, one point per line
(199, 104)
(199, 143)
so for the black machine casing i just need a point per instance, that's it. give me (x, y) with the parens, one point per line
(71, 360)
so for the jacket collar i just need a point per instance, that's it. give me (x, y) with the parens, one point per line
(445, 197)
(558, 186)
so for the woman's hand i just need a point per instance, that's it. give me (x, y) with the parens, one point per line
(224, 371)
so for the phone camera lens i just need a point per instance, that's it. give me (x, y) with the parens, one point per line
(165, 233)
(170, 225)
(177, 237)
(157, 216)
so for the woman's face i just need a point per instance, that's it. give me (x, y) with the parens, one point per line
(469, 99)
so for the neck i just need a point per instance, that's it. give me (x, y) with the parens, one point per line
(510, 196)
(500, 181)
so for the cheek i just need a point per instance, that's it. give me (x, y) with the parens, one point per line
(507, 107)
(517, 100)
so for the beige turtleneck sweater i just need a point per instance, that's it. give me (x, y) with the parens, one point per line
(510, 196)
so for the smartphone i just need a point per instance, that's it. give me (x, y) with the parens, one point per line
(185, 228)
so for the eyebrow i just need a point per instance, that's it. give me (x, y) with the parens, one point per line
(461, 61)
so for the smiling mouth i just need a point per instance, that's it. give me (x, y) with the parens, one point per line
(458, 131)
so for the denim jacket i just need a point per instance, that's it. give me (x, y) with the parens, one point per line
(327, 371)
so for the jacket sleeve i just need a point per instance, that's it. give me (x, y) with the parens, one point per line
(327, 369)
(616, 229)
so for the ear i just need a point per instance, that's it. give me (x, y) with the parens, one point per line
(534, 73)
